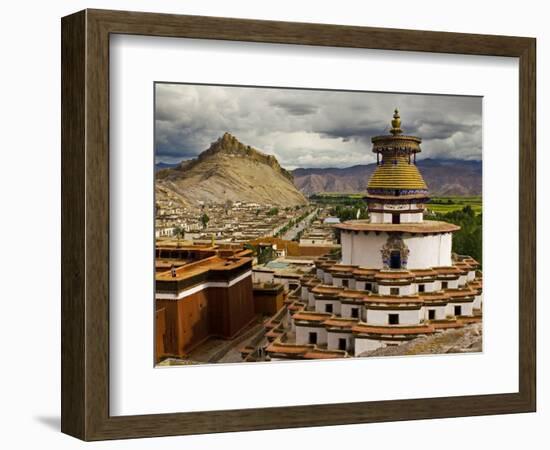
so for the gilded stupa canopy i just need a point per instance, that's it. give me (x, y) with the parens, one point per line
(397, 173)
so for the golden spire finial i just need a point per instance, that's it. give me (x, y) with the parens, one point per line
(396, 123)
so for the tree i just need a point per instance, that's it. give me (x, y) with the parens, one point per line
(468, 240)
(179, 232)
(204, 220)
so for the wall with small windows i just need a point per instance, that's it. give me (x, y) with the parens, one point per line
(460, 309)
(328, 306)
(434, 312)
(340, 341)
(347, 283)
(427, 287)
(362, 285)
(382, 316)
(304, 335)
(352, 311)
(448, 284)
(409, 289)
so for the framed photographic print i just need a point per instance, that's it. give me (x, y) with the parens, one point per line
(271, 224)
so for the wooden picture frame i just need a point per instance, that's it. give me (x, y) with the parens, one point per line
(85, 224)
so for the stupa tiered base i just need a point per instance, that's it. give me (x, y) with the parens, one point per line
(397, 279)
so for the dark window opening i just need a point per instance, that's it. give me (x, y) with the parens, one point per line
(341, 344)
(345, 283)
(458, 310)
(431, 314)
(444, 285)
(368, 286)
(396, 218)
(421, 288)
(355, 313)
(393, 319)
(394, 291)
(313, 338)
(328, 307)
(395, 259)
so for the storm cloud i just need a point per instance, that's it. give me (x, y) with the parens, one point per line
(310, 128)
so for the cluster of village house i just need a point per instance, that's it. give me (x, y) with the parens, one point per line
(231, 222)
(391, 279)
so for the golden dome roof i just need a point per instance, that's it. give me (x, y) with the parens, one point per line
(396, 173)
(397, 170)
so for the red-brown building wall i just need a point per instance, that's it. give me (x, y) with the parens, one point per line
(214, 311)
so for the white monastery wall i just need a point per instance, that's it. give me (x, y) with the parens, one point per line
(403, 290)
(345, 310)
(302, 334)
(320, 306)
(428, 251)
(381, 317)
(440, 312)
(333, 339)
(260, 276)
(424, 251)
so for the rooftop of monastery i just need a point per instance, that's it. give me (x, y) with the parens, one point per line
(425, 227)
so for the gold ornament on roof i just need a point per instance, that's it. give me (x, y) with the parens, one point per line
(396, 123)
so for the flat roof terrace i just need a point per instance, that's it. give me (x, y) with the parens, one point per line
(426, 227)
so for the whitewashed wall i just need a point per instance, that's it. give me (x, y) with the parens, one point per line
(302, 334)
(403, 290)
(440, 312)
(366, 345)
(321, 304)
(338, 281)
(429, 287)
(333, 337)
(429, 251)
(262, 276)
(467, 308)
(424, 251)
(478, 301)
(345, 310)
(406, 317)
(363, 249)
(310, 300)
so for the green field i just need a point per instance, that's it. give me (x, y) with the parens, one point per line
(442, 205)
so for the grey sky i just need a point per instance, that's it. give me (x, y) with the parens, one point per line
(311, 128)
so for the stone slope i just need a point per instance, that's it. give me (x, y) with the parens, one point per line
(230, 171)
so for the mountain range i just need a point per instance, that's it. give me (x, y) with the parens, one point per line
(231, 170)
(443, 177)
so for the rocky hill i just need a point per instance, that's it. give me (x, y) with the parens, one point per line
(444, 177)
(229, 170)
(462, 340)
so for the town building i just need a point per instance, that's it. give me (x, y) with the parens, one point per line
(201, 292)
(397, 278)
